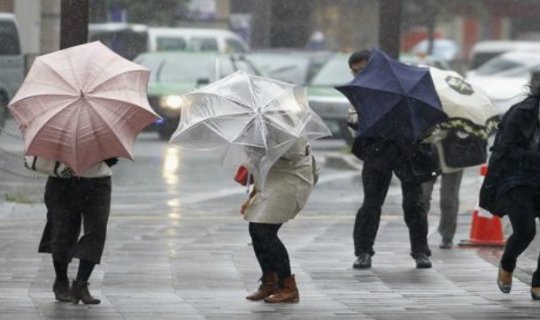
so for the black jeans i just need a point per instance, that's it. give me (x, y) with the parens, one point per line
(269, 250)
(70, 203)
(522, 205)
(376, 177)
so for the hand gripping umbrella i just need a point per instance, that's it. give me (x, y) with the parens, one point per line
(82, 105)
(253, 119)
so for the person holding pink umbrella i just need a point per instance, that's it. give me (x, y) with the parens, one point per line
(74, 201)
(79, 109)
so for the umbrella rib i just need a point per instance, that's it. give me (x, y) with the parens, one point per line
(94, 96)
(58, 74)
(47, 122)
(108, 125)
(201, 93)
(99, 84)
(43, 95)
(216, 117)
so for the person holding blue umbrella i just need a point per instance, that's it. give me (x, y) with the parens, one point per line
(396, 105)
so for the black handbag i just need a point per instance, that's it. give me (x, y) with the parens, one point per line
(463, 152)
(422, 165)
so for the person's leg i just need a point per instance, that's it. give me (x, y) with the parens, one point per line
(376, 183)
(449, 204)
(416, 220)
(278, 256)
(63, 219)
(427, 191)
(258, 234)
(60, 233)
(261, 234)
(450, 185)
(95, 208)
(518, 204)
(61, 283)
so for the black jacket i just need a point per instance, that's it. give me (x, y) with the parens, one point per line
(513, 161)
(416, 163)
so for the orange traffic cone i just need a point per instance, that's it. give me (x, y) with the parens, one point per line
(486, 229)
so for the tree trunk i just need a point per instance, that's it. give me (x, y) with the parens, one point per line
(73, 23)
(390, 27)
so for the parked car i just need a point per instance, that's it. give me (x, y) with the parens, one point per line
(293, 66)
(11, 62)
(129, 40)
(484, 51)
(126, 39)
(504, 79)
(176, 73)
(191, 39)
(443, 49)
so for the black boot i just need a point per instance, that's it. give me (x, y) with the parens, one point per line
(61, 290)
(79, 291)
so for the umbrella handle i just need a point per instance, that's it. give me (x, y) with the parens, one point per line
(248, 181)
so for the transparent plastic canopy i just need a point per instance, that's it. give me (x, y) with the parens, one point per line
(253, 120)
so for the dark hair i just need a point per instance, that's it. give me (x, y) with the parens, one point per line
(534, 84)
(358, 56)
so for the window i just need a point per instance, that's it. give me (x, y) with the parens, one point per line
(234, 46)
(203, 44)
(171, 44)
(9, 39)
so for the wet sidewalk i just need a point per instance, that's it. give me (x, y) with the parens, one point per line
(201, 266)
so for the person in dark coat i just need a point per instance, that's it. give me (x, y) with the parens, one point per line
(515, 166)
(74, 203)
(381, 158)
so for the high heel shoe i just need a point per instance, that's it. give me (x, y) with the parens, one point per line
(504, 280)
(79, 292)
(61, 290)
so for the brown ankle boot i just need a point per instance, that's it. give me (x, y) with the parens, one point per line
(79, 292)
(287, 293)
(535, 293)
(268, 286)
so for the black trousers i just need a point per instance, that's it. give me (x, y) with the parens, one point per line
(269, 250)
(70, 204)
(522, 205)
(376, 177)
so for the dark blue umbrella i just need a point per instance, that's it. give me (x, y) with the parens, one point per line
(393, 100)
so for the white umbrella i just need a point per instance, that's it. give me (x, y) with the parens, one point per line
(254, 119)
(466, 105)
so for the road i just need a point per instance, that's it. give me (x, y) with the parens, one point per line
(177, 248)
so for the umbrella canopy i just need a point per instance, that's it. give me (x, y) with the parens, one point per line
(393, 100)
(82, 105)
(466, 106)
(254, 119)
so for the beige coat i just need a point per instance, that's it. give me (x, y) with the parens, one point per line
(288, 186)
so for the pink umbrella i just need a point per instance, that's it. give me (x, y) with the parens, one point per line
(82, 105)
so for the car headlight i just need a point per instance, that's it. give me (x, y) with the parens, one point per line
(171, 102)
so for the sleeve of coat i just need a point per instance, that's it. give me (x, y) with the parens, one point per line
(515, 145)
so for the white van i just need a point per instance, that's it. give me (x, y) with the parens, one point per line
(486, 50)
(129, 40)
(190, 39)
(11, 62)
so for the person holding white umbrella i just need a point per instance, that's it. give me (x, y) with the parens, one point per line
(460, 142)
(265, 125)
